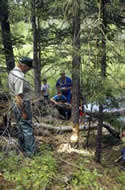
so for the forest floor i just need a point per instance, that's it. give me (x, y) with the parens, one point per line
(58, 167)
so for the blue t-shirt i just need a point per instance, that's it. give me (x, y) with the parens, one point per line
(61, 98)
(64, 83)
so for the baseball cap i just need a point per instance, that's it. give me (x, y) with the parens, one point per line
(27, 61)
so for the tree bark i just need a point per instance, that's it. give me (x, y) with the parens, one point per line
(36, 52)
(6, 35)
(102, 51)
(76, 69)
(99, 136)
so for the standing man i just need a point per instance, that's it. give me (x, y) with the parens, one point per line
(21, 96)
(64, 84)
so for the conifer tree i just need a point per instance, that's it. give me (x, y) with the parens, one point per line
(6, 34)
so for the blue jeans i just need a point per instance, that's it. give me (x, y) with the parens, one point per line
(25, 132)
(68, 95)
(123, 153)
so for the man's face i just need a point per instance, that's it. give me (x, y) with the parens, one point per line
(59, 94)
(44, 82)
(26, 68)
(62, 75)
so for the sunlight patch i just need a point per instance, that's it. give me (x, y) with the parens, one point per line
(66, 147)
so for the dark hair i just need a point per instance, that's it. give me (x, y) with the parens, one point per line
(59, 91)
(44, 79)
(62, 72)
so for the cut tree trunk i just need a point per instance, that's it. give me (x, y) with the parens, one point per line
(76, 60)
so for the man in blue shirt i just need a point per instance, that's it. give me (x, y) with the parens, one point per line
(60, 102)
(64, 84)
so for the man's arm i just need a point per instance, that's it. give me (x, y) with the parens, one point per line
(67, 88)
(53, 101)
(68, 84)
(58, 87)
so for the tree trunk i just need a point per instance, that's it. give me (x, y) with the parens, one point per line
(76, 72)
(103, 75)
(37, 66)
(99, 136)
(6, 35)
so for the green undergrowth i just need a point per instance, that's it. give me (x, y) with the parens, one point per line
(86, 179)
(93, 176)
(49, 170)
(30, 173)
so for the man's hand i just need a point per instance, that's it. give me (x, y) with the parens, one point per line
(64, 88)
(19, 103)
(58, 102)
(24, 115)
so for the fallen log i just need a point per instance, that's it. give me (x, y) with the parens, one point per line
(61, 128)
(107, 114)
(39, 128)
(111, 130)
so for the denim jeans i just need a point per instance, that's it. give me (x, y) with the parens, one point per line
(25, 132)
(123, 153)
